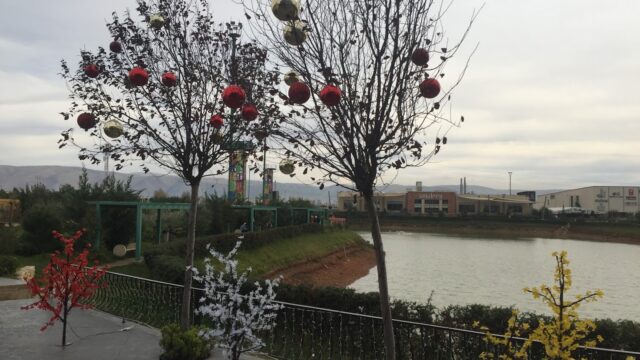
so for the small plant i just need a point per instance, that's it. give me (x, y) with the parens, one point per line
(8, 265)
(66, 283)
(179, 344)
(561, 336)
(237, 318)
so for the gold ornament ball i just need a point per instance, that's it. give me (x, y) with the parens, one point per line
(295, 33)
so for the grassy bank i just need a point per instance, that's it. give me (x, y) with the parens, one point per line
(286, 252)
(273, 255)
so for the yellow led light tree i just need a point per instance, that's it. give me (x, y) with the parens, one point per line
(561, 336)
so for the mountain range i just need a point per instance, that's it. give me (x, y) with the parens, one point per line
(53, 177)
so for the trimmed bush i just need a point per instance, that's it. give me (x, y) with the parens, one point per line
(8, 265)
(226, 242)
(38, 223)
(166, 267)
(183, 345)
(9, 240)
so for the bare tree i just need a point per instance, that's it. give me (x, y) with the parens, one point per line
(159, 92)
(376, 67)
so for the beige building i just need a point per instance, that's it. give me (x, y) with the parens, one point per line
(469, 204)
(594, 199)
(389, 202)
(439, 203)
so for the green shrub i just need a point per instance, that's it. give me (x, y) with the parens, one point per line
(253, 240)
(183, 345)
(166, 268)
(9, 240)
(226, 242)
(38, 223)
(8, 265)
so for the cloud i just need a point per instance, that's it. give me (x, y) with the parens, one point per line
(551, 93)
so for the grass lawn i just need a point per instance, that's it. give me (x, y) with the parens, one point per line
(136, 269)
(39, 261)
(275, 255)
(288, 251)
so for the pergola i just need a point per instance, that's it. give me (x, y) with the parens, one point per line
(139, 206)
(257, 208)
(323, 214)
(320, 212)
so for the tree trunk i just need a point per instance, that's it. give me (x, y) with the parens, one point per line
(185, 313)
(385, 308)
(64, 324)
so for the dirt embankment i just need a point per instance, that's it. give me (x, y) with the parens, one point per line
(338, 269)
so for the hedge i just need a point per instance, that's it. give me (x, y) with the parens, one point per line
(8, 265)
(225, 242)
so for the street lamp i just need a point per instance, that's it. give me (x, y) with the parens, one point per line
(510, 183)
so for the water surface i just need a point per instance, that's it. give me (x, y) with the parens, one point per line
(462, 270)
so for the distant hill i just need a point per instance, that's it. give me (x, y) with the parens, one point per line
(54, 176)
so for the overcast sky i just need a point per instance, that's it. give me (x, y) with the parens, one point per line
(552, 94)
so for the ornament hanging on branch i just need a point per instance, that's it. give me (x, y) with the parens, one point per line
(420, 56)
(156, 21)
(138, 76)
(113, 128)
(299, 93)
(330, 95)
(261, 134)
(86, 121)
(115, 46)
(233, 96)
(291, 77)
(92, 70)
(286, 167)
(216, 121)
(285, 10)
(295, 33)
(430, 88)
(169, 79)
(249, 112)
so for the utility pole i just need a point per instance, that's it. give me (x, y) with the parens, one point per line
(510, 182)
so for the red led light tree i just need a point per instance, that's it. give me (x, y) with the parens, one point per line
(67, 282)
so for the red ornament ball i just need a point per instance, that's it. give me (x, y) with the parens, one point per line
(233, 96)
(430, 88)
(115, 46)
(249, 112)
(169, 79)
(92, 70)
(216, 121)
(420, 56)
(330, 95)
(86, 121)
(138, 76)
(299, 92)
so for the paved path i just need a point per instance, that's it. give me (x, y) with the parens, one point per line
(94, 335)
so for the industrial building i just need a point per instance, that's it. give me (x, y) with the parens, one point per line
(593, 199)
(440, 203)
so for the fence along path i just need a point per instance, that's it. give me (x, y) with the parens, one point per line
(304, 332)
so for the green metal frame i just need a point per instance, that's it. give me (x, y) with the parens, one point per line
(252, 210)
(139, 206)
(323, 213)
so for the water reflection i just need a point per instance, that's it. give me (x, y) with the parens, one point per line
(463, 270)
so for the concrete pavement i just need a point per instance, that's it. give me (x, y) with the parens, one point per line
(94, 335)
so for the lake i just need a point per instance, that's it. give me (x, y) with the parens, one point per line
(463, 270)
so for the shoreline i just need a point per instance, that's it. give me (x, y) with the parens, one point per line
(337, 269)
(343, 267)
(515, 231)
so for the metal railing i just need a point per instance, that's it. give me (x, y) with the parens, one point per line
(307, 332)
